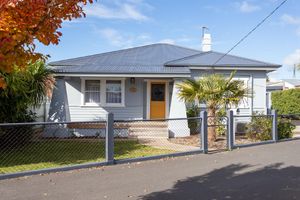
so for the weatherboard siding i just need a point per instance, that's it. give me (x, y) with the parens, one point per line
(79, 113)
(68, 93)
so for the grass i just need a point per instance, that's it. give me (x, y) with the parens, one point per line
(55, 153)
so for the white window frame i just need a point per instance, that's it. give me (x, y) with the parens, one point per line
(122, 104)
(103, 92)
(83, 93)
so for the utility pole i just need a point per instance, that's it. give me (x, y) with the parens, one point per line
(294, 71)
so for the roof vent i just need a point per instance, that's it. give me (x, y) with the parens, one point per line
(206, 41)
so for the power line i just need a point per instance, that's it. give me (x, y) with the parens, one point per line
(256, 27)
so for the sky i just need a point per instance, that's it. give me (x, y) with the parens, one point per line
(118, 24)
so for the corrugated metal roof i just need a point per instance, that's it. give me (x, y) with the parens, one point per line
(160, 69)
(209, 59)
(295, 82)
(150, 59)
(145, 59)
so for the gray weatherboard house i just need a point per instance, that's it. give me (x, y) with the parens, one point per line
(139, 83)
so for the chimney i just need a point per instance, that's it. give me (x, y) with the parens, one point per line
(206, 41)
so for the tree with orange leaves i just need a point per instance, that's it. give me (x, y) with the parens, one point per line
(24, 21)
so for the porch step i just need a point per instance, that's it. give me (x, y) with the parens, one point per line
(149, 133)
(150, 137)
(148, 124)
(148, 130)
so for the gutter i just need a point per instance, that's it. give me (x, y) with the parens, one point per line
(124, 75)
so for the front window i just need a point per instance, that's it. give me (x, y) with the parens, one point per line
(92, 91)
(104, 92)
(113, 91)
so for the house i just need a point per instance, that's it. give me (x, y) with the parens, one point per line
(284, 84)
(140, 82)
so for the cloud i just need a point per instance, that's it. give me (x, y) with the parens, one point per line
(126, 11)
(288, 19)
(113, 36)
(123, 40)
(293, 58)
(246, 7)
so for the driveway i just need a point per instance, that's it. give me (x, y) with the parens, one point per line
(262, 172)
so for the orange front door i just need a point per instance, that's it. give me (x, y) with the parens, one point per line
(158, 101)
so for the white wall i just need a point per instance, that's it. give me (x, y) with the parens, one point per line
(259, 89)
(177, 128)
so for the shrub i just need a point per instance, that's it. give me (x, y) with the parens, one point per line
(12, 137)
(24, 89)
(287, 101)
(260, 128)
(285, 128)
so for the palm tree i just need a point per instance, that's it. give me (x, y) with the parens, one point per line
(217, 92)
(25, 88)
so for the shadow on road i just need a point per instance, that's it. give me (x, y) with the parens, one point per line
(237, 182)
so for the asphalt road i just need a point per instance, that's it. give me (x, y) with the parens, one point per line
(262, 172)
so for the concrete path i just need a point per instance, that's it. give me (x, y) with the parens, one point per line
(262, 172)
(163, 143)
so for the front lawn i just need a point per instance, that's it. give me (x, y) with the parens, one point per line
(55, 153)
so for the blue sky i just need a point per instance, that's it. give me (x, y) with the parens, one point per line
(117, 24)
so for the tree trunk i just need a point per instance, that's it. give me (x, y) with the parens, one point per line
(212, 136)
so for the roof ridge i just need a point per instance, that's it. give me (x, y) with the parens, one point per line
(175, 45)
(120, 50)
(235, 56)
(246, 58)
(103, 53)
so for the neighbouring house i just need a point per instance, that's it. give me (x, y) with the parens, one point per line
(140, 83)
(284, 84)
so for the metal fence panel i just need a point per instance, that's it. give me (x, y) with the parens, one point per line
(146, 138)
(25, 147)
(252, 129)
(59, 145)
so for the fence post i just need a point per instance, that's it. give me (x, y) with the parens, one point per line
(274, 126)
(230, 130)
(109, 139)
(204, 143)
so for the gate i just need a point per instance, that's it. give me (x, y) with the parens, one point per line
(218, 126)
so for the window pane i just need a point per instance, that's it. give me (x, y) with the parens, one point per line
(157, 92)
(92, 85)
(113, 92)
(92, 91)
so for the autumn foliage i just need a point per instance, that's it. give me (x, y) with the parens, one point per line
(22, 22)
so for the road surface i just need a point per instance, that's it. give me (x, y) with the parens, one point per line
(262, 172)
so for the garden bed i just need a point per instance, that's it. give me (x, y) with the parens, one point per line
(221, 143)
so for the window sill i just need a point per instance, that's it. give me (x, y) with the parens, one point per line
(92, 106)
(114, 105)
(103, 106)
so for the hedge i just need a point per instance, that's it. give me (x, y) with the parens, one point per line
(286, 101)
